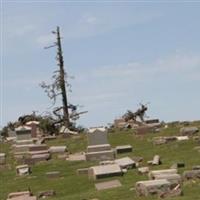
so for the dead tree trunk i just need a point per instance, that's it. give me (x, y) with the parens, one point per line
(62, 80)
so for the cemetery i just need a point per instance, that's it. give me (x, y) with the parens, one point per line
(119, 53)
(101, 163)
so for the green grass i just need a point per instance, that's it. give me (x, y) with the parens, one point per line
(73, 187)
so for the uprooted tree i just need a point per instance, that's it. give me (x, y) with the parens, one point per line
(59, 88)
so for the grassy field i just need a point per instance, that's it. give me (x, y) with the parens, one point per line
(73, 187)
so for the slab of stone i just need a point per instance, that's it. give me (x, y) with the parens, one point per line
(23, 170)
(2, 158)
(172, 178)
(108, 185)
(126, 162)
(23, 133)
(123, 149)
(40, 157)
(182, 138)
(38, 152)
(145, 188)
(191, 174)
(163, 171)
(25, 195)
(76, 157)
(156, 160)
(97, 136)
(190, 131)
(106, 162)
(100, 155)
(24, 142)
(196, 167)
(103, 171)
(38, 147)
(143, 170)
(57, 149)
(100, 147)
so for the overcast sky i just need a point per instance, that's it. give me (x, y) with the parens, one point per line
(120, 54)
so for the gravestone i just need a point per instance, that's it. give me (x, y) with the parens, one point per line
(23, 133)
(98, 147)
(97, 136)
(108, 185)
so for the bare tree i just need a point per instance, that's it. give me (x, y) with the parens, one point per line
(58, 86)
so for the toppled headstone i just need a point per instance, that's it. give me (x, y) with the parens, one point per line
(163, 171)
(176, 191)
(196, 167)
(192, 174)
(53, 174)
(156, 160)
(143, 170)
(48, 193)
(172, 178)
(40, 157)
(106, 162)
(23, 170)
(2, 158)
(76, 157)
(190, 131)
(108, 185)
(57, 149)
(150, 187)
(102, 171)
(182, 138)
(25, 195)
(125, 162)
(123, 149)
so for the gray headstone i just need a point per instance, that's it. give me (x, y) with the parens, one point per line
(97, 136)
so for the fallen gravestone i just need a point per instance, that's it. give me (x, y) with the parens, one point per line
(143, 170)
(57, 149)
(192, 174)
(25, 195)
(123, 149)
(152, 187)
(23, 170)
(108, 185)
(163, 171)
(103, 171)
(189, 131)
(2, 158)
(125, 162)
(76, 157)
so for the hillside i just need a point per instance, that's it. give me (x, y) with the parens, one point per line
(71, 186)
